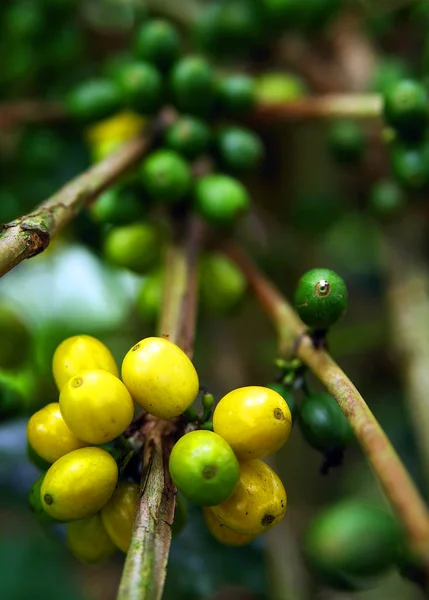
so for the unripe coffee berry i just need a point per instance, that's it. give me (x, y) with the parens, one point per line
(320, 298)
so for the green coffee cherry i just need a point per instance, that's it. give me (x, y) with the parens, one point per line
(222, 285)
(287, 394)
(149, 296)
(239, 149)
(350, 544)
(410, 165)
(323, 424)
(15, 339)
(117, 206)
(346, 141)
(220, 199)
(141, 87)
(229, 27)
(189, 136)
(193, 86)
(158, 42)
(320, 298)
(406, 108)
(135, 246)
(94, 100)
(279, 87)
(386, 199)
(166, 176)
(236, 94)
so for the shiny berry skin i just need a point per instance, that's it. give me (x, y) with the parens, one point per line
(386, 199)
(406, 108)
(287, 395)
(141, 87)
(160, 377)
(118, 514)
(258, 503)
(88, 540)
(320, 298)
(223, 534)
(193, 86)
(410, 165)
(254, 420)
(220, 199)
(158, 42)
(279, 87)
(323, 423)
(48, 434)
(35, 502)
(136, 246)
(96, 406)
(166, 176)
(189, 136)
(117, 206)
(236, 94)
(204, 468)
(222, 285)
(78, 353)
(239, 149)
(349, 541)
(149, 296)
(346, 141)
(79, 484)
(94, 100)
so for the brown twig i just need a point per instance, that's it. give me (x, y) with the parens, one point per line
(30, 111)
(360, 106)
(29, 235)
(387, 466)
(145, 566)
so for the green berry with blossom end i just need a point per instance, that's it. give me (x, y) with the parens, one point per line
(320, 298)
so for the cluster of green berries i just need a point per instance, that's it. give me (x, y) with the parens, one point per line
(405, 109)
(159, 76)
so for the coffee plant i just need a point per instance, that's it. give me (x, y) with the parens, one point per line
(170, 168)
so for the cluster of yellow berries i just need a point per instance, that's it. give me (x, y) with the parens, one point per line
(220, 470)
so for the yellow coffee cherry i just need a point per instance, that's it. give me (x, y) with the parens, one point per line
(160, 377)
(96, 406)
(88, 540)
(80, 353)
(222, 533)
(118, 514)
(79, 484)
(255, 421)
(258, 503)
(48, 434)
